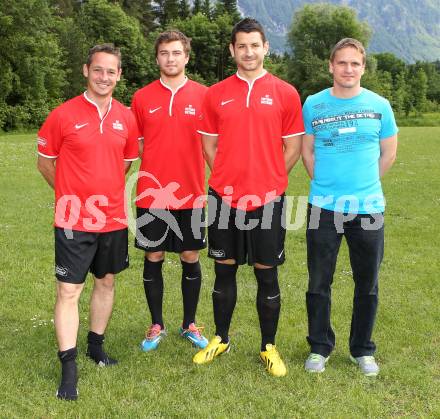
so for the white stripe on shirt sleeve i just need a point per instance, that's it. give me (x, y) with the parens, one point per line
(293, 135)
(207, 133)
(47, 157)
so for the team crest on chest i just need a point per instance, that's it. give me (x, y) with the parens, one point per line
(266, 100)
(189, 110)
(118, 126)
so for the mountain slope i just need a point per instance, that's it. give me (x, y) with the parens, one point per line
(408, 28)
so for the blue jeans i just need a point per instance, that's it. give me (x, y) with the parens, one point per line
(364, 234)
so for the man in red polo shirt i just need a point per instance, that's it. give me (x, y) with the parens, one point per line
(85, 147)
(171, 178)
(251, 128)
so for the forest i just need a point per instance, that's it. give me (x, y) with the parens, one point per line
(44, 44)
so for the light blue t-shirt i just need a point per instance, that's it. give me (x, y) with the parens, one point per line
(347, 149)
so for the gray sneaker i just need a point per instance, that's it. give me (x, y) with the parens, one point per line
(367, 365)
(315, 363)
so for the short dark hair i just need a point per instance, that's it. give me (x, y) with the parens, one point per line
(248, 25)
(349, 42)
(171, 36)
(108, 48)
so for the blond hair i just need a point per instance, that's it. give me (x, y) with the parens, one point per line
(349, 42)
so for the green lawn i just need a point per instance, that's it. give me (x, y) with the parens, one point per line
(166, 383)
(428, 119)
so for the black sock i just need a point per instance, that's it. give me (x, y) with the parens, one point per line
(191, 283)
(69, 375)
(95, 350)
(268, 304)
(153, 286)
(224, 297)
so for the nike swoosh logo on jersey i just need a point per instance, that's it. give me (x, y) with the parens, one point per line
(79, 126)
(154, 110)
(281, 254)
(224, 102)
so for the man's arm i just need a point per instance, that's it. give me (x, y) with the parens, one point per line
(308, 153)
(209, 143)
(292, 151)
(46, 166)
(141, 147)
(388, 152)
(127, 166)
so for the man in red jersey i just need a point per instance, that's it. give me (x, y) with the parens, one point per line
(251, 128)
(85, 147)
(171, 178)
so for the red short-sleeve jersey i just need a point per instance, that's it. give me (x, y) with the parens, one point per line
(90, 172)
(172, 172)
(251, 120)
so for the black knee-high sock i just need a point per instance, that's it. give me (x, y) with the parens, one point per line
(69, 375)
(268, 304)
(153, 286)
(191, 283)
(224, 297)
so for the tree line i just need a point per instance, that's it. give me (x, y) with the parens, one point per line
(44, 43)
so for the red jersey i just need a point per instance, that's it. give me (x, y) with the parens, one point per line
(251, 120)
(90, 172)
(172, 172)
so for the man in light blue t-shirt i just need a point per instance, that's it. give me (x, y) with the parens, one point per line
(350, 143)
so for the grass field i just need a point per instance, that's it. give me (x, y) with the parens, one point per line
(166, 383)
(424, 120)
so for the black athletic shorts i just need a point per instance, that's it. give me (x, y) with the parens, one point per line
(99, 253)
(247, 236)
(170, 230)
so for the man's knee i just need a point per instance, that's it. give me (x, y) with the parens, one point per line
(366, 286)
(226, 262)
(260, 266)
(319, 285)
(189, 256)
(225, 285)
(105, 284)
(155, 256)
(225, 275)
(67, 292)
(267, 277)
(268, 295)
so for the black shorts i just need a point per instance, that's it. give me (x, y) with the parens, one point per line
(247, 236)
(77, 252)
(159, 230)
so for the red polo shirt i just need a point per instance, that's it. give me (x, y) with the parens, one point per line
(251, 120)
(172, 173)
(90, 149)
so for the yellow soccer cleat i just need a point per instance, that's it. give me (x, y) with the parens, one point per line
(273, 362)
(214, 348)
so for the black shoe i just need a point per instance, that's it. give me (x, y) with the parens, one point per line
(100, 357)
(69, 393)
